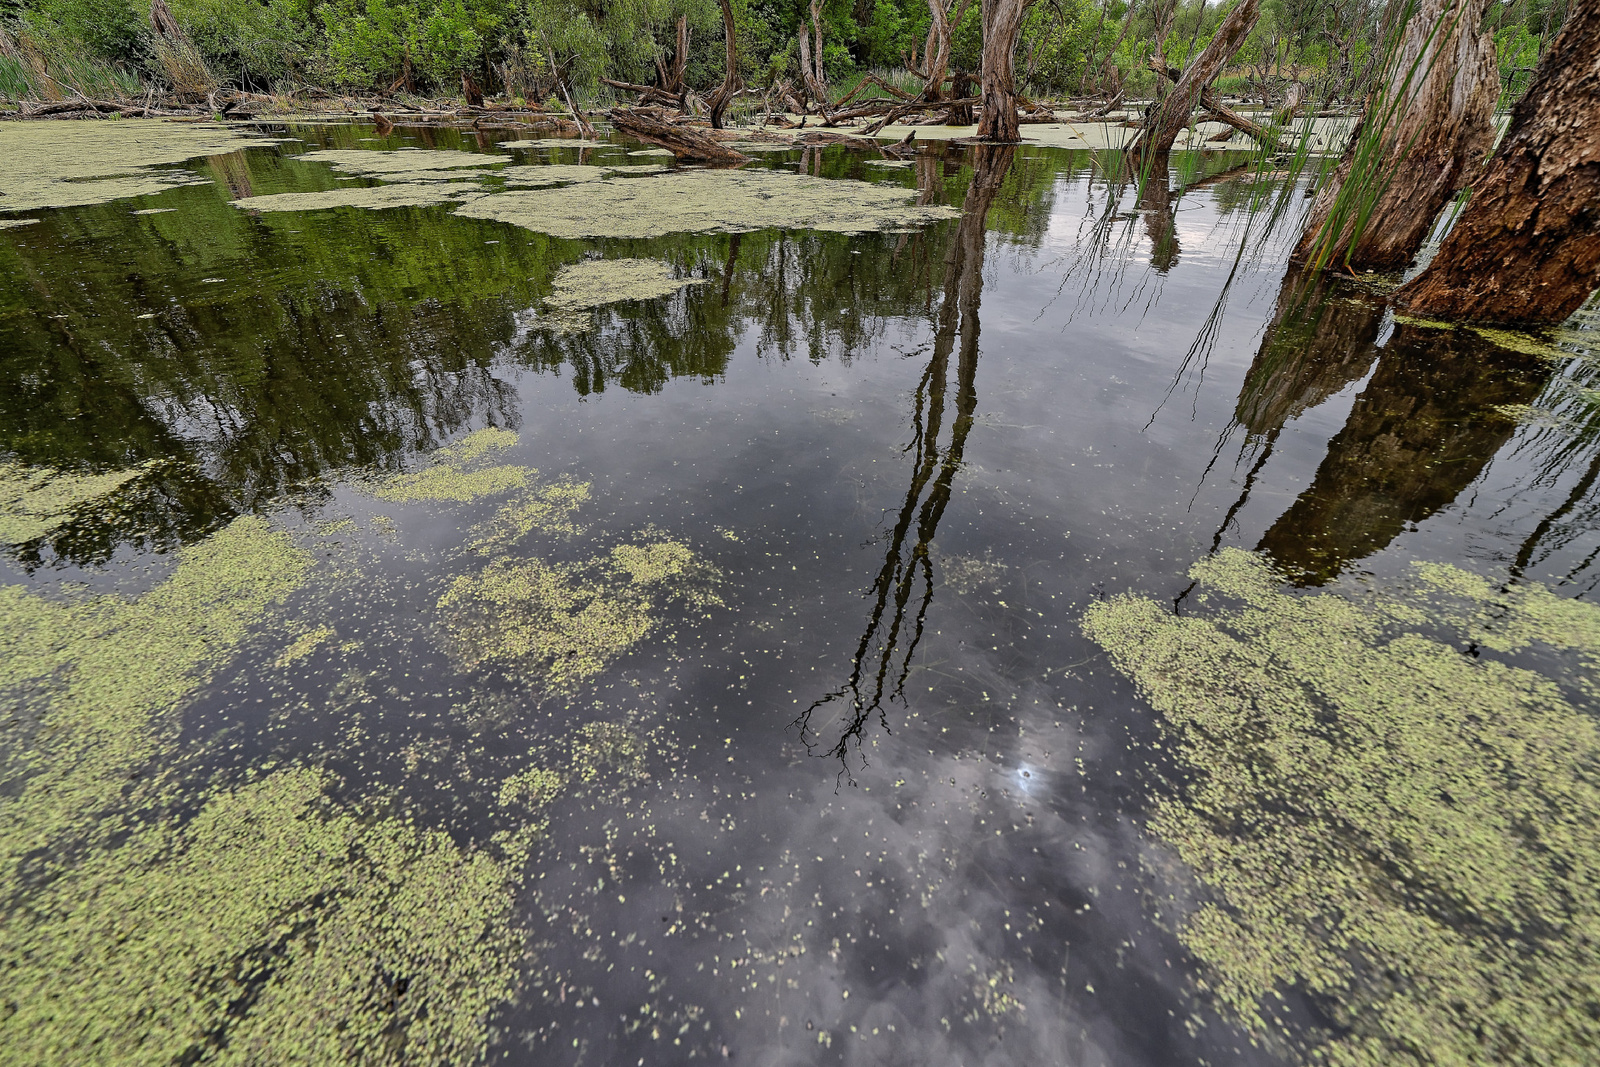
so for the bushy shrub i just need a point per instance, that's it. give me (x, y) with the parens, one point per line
(254, 41)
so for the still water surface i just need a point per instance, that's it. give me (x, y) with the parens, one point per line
(863, 791)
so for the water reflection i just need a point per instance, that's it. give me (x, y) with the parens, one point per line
(1421, 431)
(883, 655)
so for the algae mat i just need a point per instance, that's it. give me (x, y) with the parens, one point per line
(706, 202)
(73, 164)
(1404, 831)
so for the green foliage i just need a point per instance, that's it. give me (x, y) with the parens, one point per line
(260, 42)
(372, 43)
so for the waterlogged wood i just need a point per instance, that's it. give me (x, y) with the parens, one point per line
(1002, 23)
(1527, 248)
(1426, 127)
(685, 142)
(1168, 118)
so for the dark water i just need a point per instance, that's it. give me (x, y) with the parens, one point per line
(894, 802)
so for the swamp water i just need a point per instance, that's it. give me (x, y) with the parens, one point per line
(538, 605)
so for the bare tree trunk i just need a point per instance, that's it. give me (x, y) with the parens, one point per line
(730, 81)
(938, 57)
(1002, 23)
(1426, 127)
(1527, 248)
(1168, 118)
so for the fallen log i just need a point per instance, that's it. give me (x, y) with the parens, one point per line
(902, 110)
(648, 94)
(682, 141)
(873, 79)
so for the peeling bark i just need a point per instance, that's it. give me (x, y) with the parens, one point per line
(1002, 23)
(1426, 127)
(1527, 248)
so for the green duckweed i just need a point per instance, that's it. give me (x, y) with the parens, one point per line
(371, 198)
(549, 509)
(71, 164)
(273, 927)
(457, 473)
(1407, 830)
(704, 201)
(561, 624)
(105, 675)
(591, 283)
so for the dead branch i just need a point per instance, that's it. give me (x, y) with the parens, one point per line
(683, 141)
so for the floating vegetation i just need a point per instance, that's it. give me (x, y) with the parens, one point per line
(535, 176)
(372, 198)
(549, 509)
(969, 574)
(591, 283)
(273, 927)
(304, 645)
(71, 164)
(36, 501)
(724, 201)
(399, 165)
(555, 142)
(102, 676)
(562, 624)
(1383, 809)
(458, 473)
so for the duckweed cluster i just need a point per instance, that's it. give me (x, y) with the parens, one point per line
(72, 164)
(562, 624)
(458, 474)
(155, 914)
(1383, 809)
(724, 201)
(592, 283)
(273, 927)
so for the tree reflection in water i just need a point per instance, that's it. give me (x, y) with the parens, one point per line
(884, 653)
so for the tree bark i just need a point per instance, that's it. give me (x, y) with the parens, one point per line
(730, 81)
(1002, 23)
(1426, 126)
(1168, 118)
(938, 57)
(1527, 248)
(684, 141)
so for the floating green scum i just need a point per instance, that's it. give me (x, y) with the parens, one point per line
(1384, 807)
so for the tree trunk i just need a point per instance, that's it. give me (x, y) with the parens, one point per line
(938, 57)
(1527, 248)
(730, 81)
(1002, 23)
(1426, 126)
(1168, 118)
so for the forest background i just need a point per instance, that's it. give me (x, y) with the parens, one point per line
(530, 50)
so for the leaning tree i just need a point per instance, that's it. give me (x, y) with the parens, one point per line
(1427, 124)
(1527, 247)
(1164, 121)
